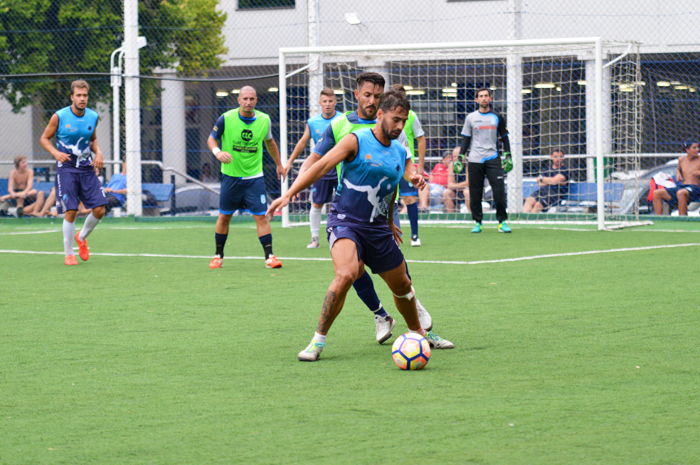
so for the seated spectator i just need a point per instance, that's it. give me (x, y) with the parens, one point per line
(41, 212)
(458, 182)
(207, 175)
(687, 183)
(20, 187)
(439, 193)
(553, 185)
(115, 192)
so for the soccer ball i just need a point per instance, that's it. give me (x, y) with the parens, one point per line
(410, 351)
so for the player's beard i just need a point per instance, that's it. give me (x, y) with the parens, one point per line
(388, 134)
(365, 115)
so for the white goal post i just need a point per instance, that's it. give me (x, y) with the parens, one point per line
(513, 69)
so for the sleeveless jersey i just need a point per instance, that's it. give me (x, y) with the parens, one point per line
(367, 183)
(73, 137)
(317, 126)
(244, 143)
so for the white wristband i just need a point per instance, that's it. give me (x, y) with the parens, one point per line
(215, 150)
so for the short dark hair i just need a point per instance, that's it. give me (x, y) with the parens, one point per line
(328, 92)
(79, 84)
(398, 87)
(481, 89)
(375, 78)
(558, 149)
(393, 99)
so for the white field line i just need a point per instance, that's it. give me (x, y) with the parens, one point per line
(29, 232)
(322, 259)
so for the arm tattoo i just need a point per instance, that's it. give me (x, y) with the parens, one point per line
(326, 312)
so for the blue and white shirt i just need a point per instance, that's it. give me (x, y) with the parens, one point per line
(73, 137)
(367, 183)
(317, 126)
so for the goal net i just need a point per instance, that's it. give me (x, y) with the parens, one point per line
(577, 97)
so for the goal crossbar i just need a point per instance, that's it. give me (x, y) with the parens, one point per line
(595, 42)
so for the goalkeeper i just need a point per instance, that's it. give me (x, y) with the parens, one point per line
(481, 131)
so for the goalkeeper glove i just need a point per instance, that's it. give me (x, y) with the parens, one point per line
(459, 164)
(507, 163)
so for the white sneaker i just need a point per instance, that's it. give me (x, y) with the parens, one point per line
(314, 244)
(426, 321)
(312, 352)
(436, 342)
(415, 241)
(384, 326)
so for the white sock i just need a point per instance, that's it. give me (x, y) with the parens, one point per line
(315, 219)
(319, 338)
(90, 223)
(68, 235)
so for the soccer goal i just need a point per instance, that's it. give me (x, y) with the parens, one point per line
(581, 97)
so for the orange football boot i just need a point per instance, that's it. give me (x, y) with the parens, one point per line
(272, 262)
(82, 247)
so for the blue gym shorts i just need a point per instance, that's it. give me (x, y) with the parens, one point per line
(406, 189)
(242, 194)
(376, 246)
(75, 187)
(692, 189)
(322, 190)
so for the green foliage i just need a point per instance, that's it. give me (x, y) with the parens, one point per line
(53, 36)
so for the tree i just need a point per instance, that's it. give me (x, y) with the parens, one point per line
(78, 36)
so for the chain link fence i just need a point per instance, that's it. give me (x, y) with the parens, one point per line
(199, 53)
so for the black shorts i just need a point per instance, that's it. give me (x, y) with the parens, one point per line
(547, 197)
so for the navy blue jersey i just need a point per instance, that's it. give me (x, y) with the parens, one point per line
(73, 137)
(559, 188)
(367, 183)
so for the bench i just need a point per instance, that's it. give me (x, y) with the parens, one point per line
(161, 193)
(581, 194)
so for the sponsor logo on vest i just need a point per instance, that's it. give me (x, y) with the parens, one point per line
(247, 135)
(67, 126)
(368, 157)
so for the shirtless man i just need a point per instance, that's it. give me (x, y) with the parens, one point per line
(687, 182)
(21, 186)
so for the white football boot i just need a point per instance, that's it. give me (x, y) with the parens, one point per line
(384, 326)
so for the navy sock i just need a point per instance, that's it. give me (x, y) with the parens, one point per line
(413, 218)
(365, 291)
(266, 242)
(220, 240)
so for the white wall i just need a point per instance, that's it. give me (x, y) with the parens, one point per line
(15, 134)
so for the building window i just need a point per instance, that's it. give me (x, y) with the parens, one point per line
(264, 4)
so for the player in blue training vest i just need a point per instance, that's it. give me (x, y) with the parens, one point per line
(322, 190)
(76, 170)
(360, 223)
(370, 87)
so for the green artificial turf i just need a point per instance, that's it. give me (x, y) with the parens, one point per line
(579, 358)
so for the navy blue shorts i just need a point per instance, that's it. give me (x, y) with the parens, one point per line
(693, 190)
(406, 189)
(322, 190)
(376, 246)
(73, 188)
(242, 194)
